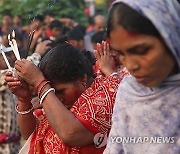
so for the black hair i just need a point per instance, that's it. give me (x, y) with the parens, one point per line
(89, 56)
(55, 24)
(40, 18)
(98, 37)
(81, 28)
(123, 15)
(77, 33)
(91, 20)
(64, 63)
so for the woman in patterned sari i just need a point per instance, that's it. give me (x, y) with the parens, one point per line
(146, 36)
(74, 110)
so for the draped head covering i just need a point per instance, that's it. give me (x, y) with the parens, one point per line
(140, 111)
(165, 16)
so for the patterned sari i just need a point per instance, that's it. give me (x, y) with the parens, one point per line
(93, 109)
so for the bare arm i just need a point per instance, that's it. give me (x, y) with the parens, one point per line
(27, 122)
(69, 129)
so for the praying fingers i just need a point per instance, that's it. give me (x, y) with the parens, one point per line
(28, 72)
(105, 61)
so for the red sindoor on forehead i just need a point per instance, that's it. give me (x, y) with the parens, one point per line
(132, 34)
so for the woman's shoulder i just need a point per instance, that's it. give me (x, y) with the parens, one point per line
(132, 87)
(127, 83)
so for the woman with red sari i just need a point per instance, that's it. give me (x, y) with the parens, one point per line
(75, 107)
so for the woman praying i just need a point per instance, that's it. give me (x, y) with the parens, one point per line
(145, 35)
(75, 107)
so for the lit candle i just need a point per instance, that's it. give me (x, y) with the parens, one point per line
(15, 46)
(5, 58)
(11, 44)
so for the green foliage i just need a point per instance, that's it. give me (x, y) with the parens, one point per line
(29, 9)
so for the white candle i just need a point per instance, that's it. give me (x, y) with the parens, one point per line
(15, 46)
(6, 60)
(12, 46)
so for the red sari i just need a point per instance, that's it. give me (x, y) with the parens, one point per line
(94, 110)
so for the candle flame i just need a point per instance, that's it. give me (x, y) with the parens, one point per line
(13, 34)
(1, 47)
(9, 37)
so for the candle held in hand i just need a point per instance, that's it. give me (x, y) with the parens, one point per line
(15, 46)
(11, 44)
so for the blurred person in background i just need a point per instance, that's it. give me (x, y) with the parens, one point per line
(55, 28)
(40, 33)
(98, 38)
(17, 22)
(90, 24)
(76, 37)
(9, 132)
(20, 31)
(48, 18)
(6, 27)
(99, 24)
(69, 24)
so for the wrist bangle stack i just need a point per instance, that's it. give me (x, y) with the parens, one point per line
(23, 112)
(41, 89)
(45, 94)
(39, 84)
